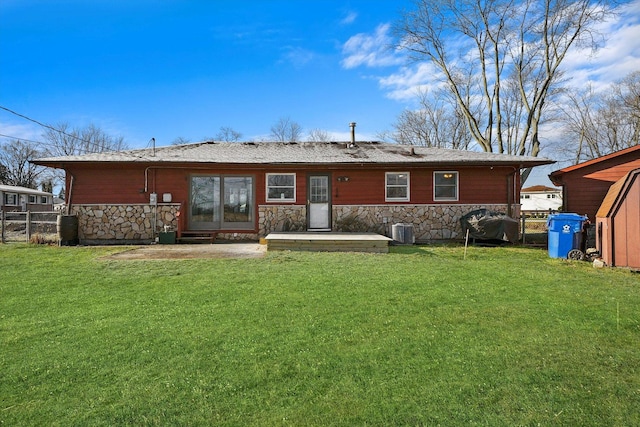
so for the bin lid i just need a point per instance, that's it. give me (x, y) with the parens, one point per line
(566, 217)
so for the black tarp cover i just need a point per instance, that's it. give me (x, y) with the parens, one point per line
(486, 225)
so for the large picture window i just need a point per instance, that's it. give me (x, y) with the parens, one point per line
(281, 187)
(445, 186)
(397, 186)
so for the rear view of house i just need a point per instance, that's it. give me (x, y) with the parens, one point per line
(21, 199)
(540, 199)
(248, 190)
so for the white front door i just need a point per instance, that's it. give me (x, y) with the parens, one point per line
(319, 202)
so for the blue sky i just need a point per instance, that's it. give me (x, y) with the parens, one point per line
(169, 69)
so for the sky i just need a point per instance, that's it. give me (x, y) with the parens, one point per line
(183, 69)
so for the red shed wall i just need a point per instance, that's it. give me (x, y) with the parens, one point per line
(585, 188)
(626, 228)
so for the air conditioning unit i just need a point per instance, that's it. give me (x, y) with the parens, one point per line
(402, 234)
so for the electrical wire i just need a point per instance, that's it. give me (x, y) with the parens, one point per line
(90, 143)
(24, 139)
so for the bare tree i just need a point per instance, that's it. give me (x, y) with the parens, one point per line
(627, 94)
(500, 59)
(598, 124)
(434, 124)
(15, 158)
(286, 130)
(4, 174)
(180, 141)
(318, 135)
(63, 140)
(227, 134)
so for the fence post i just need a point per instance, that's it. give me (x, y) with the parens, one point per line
(2, 224)
(27, 226)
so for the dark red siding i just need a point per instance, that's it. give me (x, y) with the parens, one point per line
(133, 183)
(585, 186)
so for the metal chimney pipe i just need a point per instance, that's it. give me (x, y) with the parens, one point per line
(352, 125)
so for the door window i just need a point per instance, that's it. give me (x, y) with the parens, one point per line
(319, 189)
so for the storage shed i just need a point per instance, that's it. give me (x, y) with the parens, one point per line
(618, 223)
(585, 185)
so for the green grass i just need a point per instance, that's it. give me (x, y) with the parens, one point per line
(419, 336)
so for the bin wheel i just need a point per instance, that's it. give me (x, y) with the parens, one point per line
(575, 254)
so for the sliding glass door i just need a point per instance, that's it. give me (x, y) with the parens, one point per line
(221, 202)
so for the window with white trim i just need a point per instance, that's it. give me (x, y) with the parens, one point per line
(445, 186)
(281, 187)
(10, 199)
(397, 186)
(33, 199)
(44, 200)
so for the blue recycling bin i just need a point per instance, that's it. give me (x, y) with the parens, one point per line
(565, 233)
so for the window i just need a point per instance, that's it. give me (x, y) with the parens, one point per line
(44, 200)
(445, 185)
(525, 196)
(281, 187)
(11, 199)
(397, 186)
(33, 199)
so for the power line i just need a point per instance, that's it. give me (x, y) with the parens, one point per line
(42, 124)
(23, 139)
(89, 143)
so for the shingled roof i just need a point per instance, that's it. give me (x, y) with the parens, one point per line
(298, 153)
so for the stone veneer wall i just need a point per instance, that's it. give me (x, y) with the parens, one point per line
(281, 218)
(134, 223)
(123, 223)
(430, 222)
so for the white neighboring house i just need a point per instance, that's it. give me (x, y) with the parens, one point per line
(540, 198)
(21, 199)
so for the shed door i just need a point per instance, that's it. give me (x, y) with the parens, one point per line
(319, 202)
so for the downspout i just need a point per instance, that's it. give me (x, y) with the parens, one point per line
(511, 192)
(70, 193)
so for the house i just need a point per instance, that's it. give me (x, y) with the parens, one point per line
(21, 199)
(618, 223)
(248, 190)
(585, 185)
(540, 199)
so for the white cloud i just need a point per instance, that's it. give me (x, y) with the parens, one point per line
(617, 57)
(349, 18)
(297, 56)
(14, 131)
(371, 50)
(408, 81)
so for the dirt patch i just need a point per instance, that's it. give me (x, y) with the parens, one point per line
(199, 251)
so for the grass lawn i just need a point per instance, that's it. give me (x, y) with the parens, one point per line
(419, 336)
